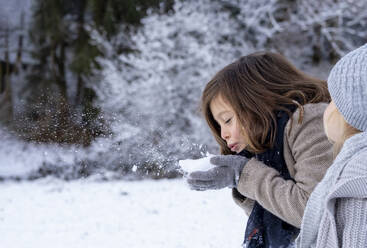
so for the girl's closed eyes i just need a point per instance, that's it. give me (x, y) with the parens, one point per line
(227, 121)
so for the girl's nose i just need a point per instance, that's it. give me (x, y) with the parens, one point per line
(225, 134)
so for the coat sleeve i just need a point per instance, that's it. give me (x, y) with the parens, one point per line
(311, 153)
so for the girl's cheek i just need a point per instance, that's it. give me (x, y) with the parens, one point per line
(329, 132)
(333, 126)
(327, 120)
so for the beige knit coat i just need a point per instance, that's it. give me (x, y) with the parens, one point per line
(307, 153)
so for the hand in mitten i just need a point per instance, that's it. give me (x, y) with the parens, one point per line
(226, 173)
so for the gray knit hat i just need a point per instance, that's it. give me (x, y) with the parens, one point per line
(347, 85)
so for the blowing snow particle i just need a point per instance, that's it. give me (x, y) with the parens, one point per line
(191, 165)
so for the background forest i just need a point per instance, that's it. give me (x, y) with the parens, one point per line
(111, 88)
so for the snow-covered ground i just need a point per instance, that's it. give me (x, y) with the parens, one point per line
(85, 213)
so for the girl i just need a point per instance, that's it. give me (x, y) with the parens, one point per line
(268, 112)
(336, 214)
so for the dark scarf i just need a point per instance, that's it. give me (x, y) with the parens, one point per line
(263, 228)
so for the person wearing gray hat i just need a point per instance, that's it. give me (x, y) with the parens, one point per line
(336, 212)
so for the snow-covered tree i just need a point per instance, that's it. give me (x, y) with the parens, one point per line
(154, 93)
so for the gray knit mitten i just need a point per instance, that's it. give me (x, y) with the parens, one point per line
(226, 173)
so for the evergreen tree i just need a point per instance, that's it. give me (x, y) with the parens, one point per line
(61, 105)
(6, 68)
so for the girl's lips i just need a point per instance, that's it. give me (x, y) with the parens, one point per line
(233, 147)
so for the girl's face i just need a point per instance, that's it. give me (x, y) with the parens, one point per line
(230, 126)
(333, 123)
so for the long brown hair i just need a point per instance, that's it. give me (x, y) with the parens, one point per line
(256, 86)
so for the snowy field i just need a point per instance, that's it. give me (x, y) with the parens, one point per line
(86, 214)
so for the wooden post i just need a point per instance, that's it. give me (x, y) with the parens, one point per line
(18, 61)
